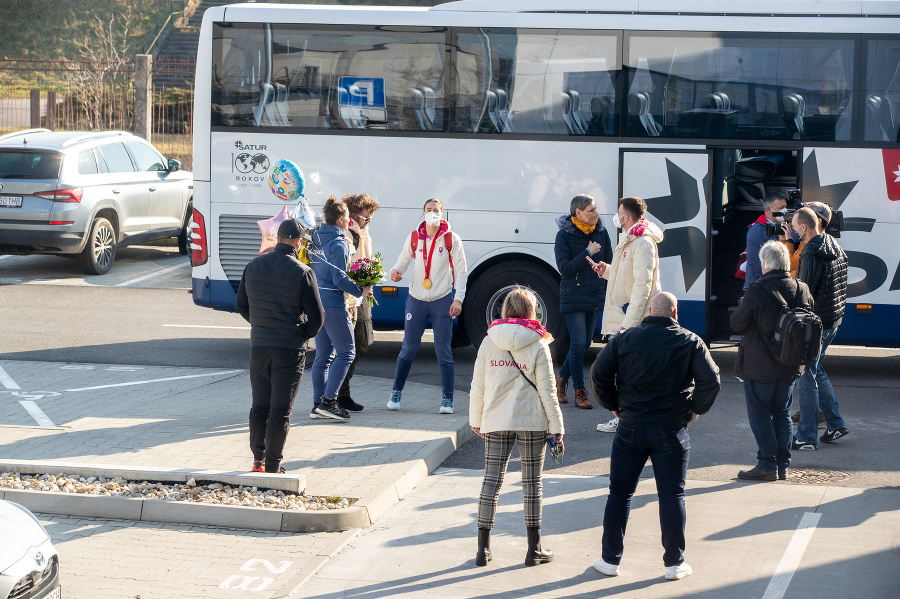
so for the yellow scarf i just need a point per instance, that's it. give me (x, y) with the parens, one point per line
(583, 227)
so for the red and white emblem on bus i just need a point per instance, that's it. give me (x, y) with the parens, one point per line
(892, 173)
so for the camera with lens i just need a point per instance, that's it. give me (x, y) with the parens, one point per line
(834, 227)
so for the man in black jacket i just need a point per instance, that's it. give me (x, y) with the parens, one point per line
(656, 378)
(768, 382)
(278, 296)
(823, 267)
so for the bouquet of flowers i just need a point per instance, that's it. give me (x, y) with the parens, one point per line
(365, 272)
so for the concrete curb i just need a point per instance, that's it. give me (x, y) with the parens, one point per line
(362, 514)
(287, 483)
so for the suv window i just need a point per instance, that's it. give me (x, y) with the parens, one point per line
(24, 164)
(146, 157)
(87, 163)
(117, 158)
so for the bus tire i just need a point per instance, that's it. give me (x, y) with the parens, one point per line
(492, 286)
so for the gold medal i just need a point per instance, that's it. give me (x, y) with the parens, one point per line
(426, 283)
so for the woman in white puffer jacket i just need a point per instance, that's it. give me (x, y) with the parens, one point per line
(513, 398)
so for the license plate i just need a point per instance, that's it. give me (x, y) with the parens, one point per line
(11, 201)
(54, 594)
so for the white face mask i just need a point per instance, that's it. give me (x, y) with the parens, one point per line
(617, 222)
(432, 219)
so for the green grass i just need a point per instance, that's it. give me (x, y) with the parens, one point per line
(54, 28)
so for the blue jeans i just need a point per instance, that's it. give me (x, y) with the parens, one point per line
(668, 447)
(816, 393)
(768, 408)
(417, 314)
(335, 340)
(581, 327)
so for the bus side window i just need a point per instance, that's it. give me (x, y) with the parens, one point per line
(883, 91)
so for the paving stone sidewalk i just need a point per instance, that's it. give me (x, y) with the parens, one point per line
(197, 418)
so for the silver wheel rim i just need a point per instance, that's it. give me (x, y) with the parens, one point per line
(495, 306)
(103, 246)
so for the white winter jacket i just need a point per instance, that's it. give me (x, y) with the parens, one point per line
(633, 277)
(500, 398)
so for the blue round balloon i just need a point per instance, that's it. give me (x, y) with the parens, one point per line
(286, 180)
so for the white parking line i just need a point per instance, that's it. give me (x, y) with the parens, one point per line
(791, 558)
(171, 378)
(204, 326)
(7, 381)
(154, 274)
(37, 413)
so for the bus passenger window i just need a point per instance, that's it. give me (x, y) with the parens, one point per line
(533, 81)
(883, 91)
(730, 85)
(327, 76)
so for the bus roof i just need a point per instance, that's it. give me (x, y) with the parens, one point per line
(699, 7)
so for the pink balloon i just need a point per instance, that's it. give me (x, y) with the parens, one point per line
(269, 230)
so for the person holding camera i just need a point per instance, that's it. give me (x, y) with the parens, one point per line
(823, 267)
(513, 401)
(758, 233)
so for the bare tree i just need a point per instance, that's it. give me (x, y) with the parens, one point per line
(104, 62)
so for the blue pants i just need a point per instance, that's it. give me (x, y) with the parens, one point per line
(417, 314)
(581, 327)
(816, 393)
(768, 408)
(668, 448)
(335, 340)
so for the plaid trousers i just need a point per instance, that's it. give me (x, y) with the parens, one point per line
(497, 448)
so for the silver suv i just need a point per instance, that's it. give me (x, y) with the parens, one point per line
(86, 193)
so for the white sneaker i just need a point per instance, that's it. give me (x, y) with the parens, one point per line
(446, 407)
(678, 572)
(608, 427)
(608, 569)
(394, 402)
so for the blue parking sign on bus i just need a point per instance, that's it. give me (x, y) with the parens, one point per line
(365, 92)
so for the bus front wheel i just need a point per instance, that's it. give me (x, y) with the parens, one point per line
(484, 302)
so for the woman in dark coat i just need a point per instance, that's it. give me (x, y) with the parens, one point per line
(581, 239)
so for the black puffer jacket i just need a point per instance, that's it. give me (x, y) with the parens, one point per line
(823, 267)
(656, 373)
(756, 318)
(580, 289)
(279, 297)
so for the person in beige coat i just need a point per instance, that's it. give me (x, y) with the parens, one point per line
(513, 399)
(632, 275)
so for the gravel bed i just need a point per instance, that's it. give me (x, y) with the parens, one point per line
(207, 492)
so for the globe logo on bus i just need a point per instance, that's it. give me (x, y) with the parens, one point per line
(286, 180)
(257, 163)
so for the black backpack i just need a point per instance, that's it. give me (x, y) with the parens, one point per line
(797, 339)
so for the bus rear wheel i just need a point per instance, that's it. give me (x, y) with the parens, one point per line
(484, 302)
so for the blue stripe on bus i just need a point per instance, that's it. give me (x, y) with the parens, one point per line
(856, 329)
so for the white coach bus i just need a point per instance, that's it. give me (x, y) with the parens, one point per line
(506, 109)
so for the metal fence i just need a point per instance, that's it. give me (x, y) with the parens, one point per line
(72, 95)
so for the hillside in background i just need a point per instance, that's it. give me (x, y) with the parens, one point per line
(54, 28)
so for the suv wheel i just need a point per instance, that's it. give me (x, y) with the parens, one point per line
(184, 237)
(99, 252)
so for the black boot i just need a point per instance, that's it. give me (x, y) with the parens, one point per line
(535, 554)
(484, 547)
